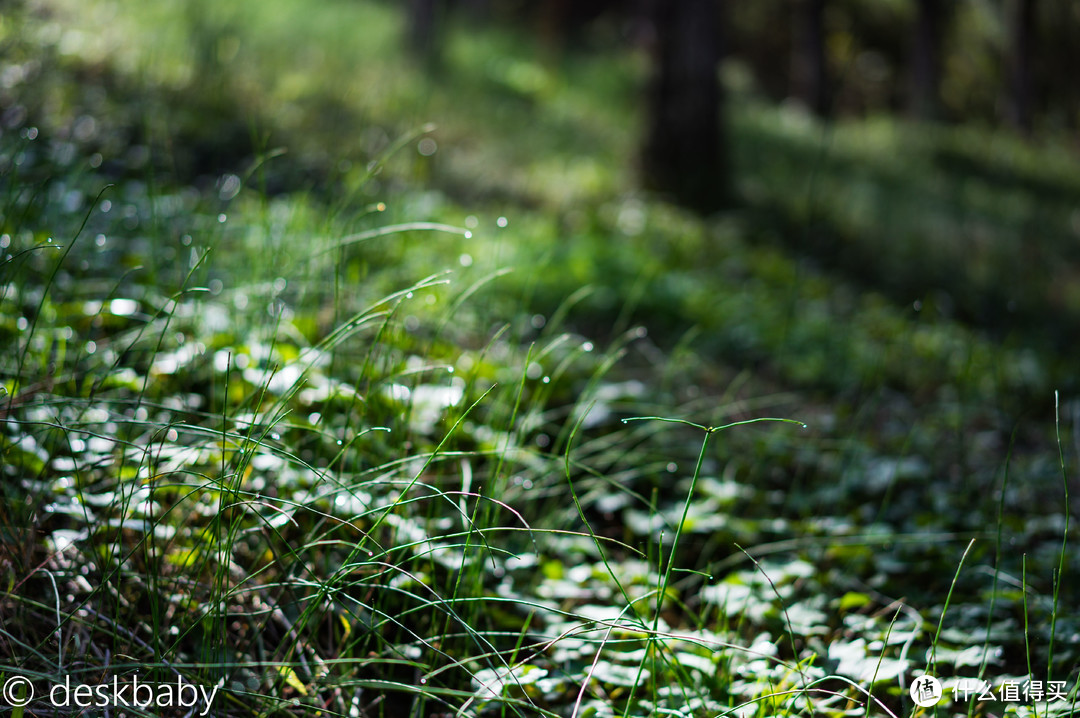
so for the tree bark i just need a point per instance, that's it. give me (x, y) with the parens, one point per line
(684, 152)
(926, 59)
(424, 31)
(809, 76)
(1022, 29)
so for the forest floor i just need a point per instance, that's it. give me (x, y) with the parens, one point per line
(340, 388)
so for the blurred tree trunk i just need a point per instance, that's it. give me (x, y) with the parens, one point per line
(809, 77)
(477, 10)
(684, 152)
(926, 59)
(424, 33)
(1022, 28)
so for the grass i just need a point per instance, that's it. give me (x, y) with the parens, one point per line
(335, 426)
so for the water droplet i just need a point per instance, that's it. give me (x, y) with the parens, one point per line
(230, 187)
(547, 379)
(502, 221)
(587, 346)
(672, 467)
(427, 147)
(339, 442)
(221, 218)
(468, 234)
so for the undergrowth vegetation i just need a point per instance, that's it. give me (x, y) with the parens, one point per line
(339, 413)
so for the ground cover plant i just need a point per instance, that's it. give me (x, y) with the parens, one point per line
(317, 408)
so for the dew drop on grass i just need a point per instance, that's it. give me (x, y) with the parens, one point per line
(21, 323)
(672, 467)
(221, 218)
(123, 307)
(230, 187)
(409, 295)
(502, 221)
(100, 240)
(471, 221)
(547, 380)
(465, 260)
(339, 442)
(587, 346)
(468, 234)
(91, 347)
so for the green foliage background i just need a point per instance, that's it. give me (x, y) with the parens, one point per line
(317, 370)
